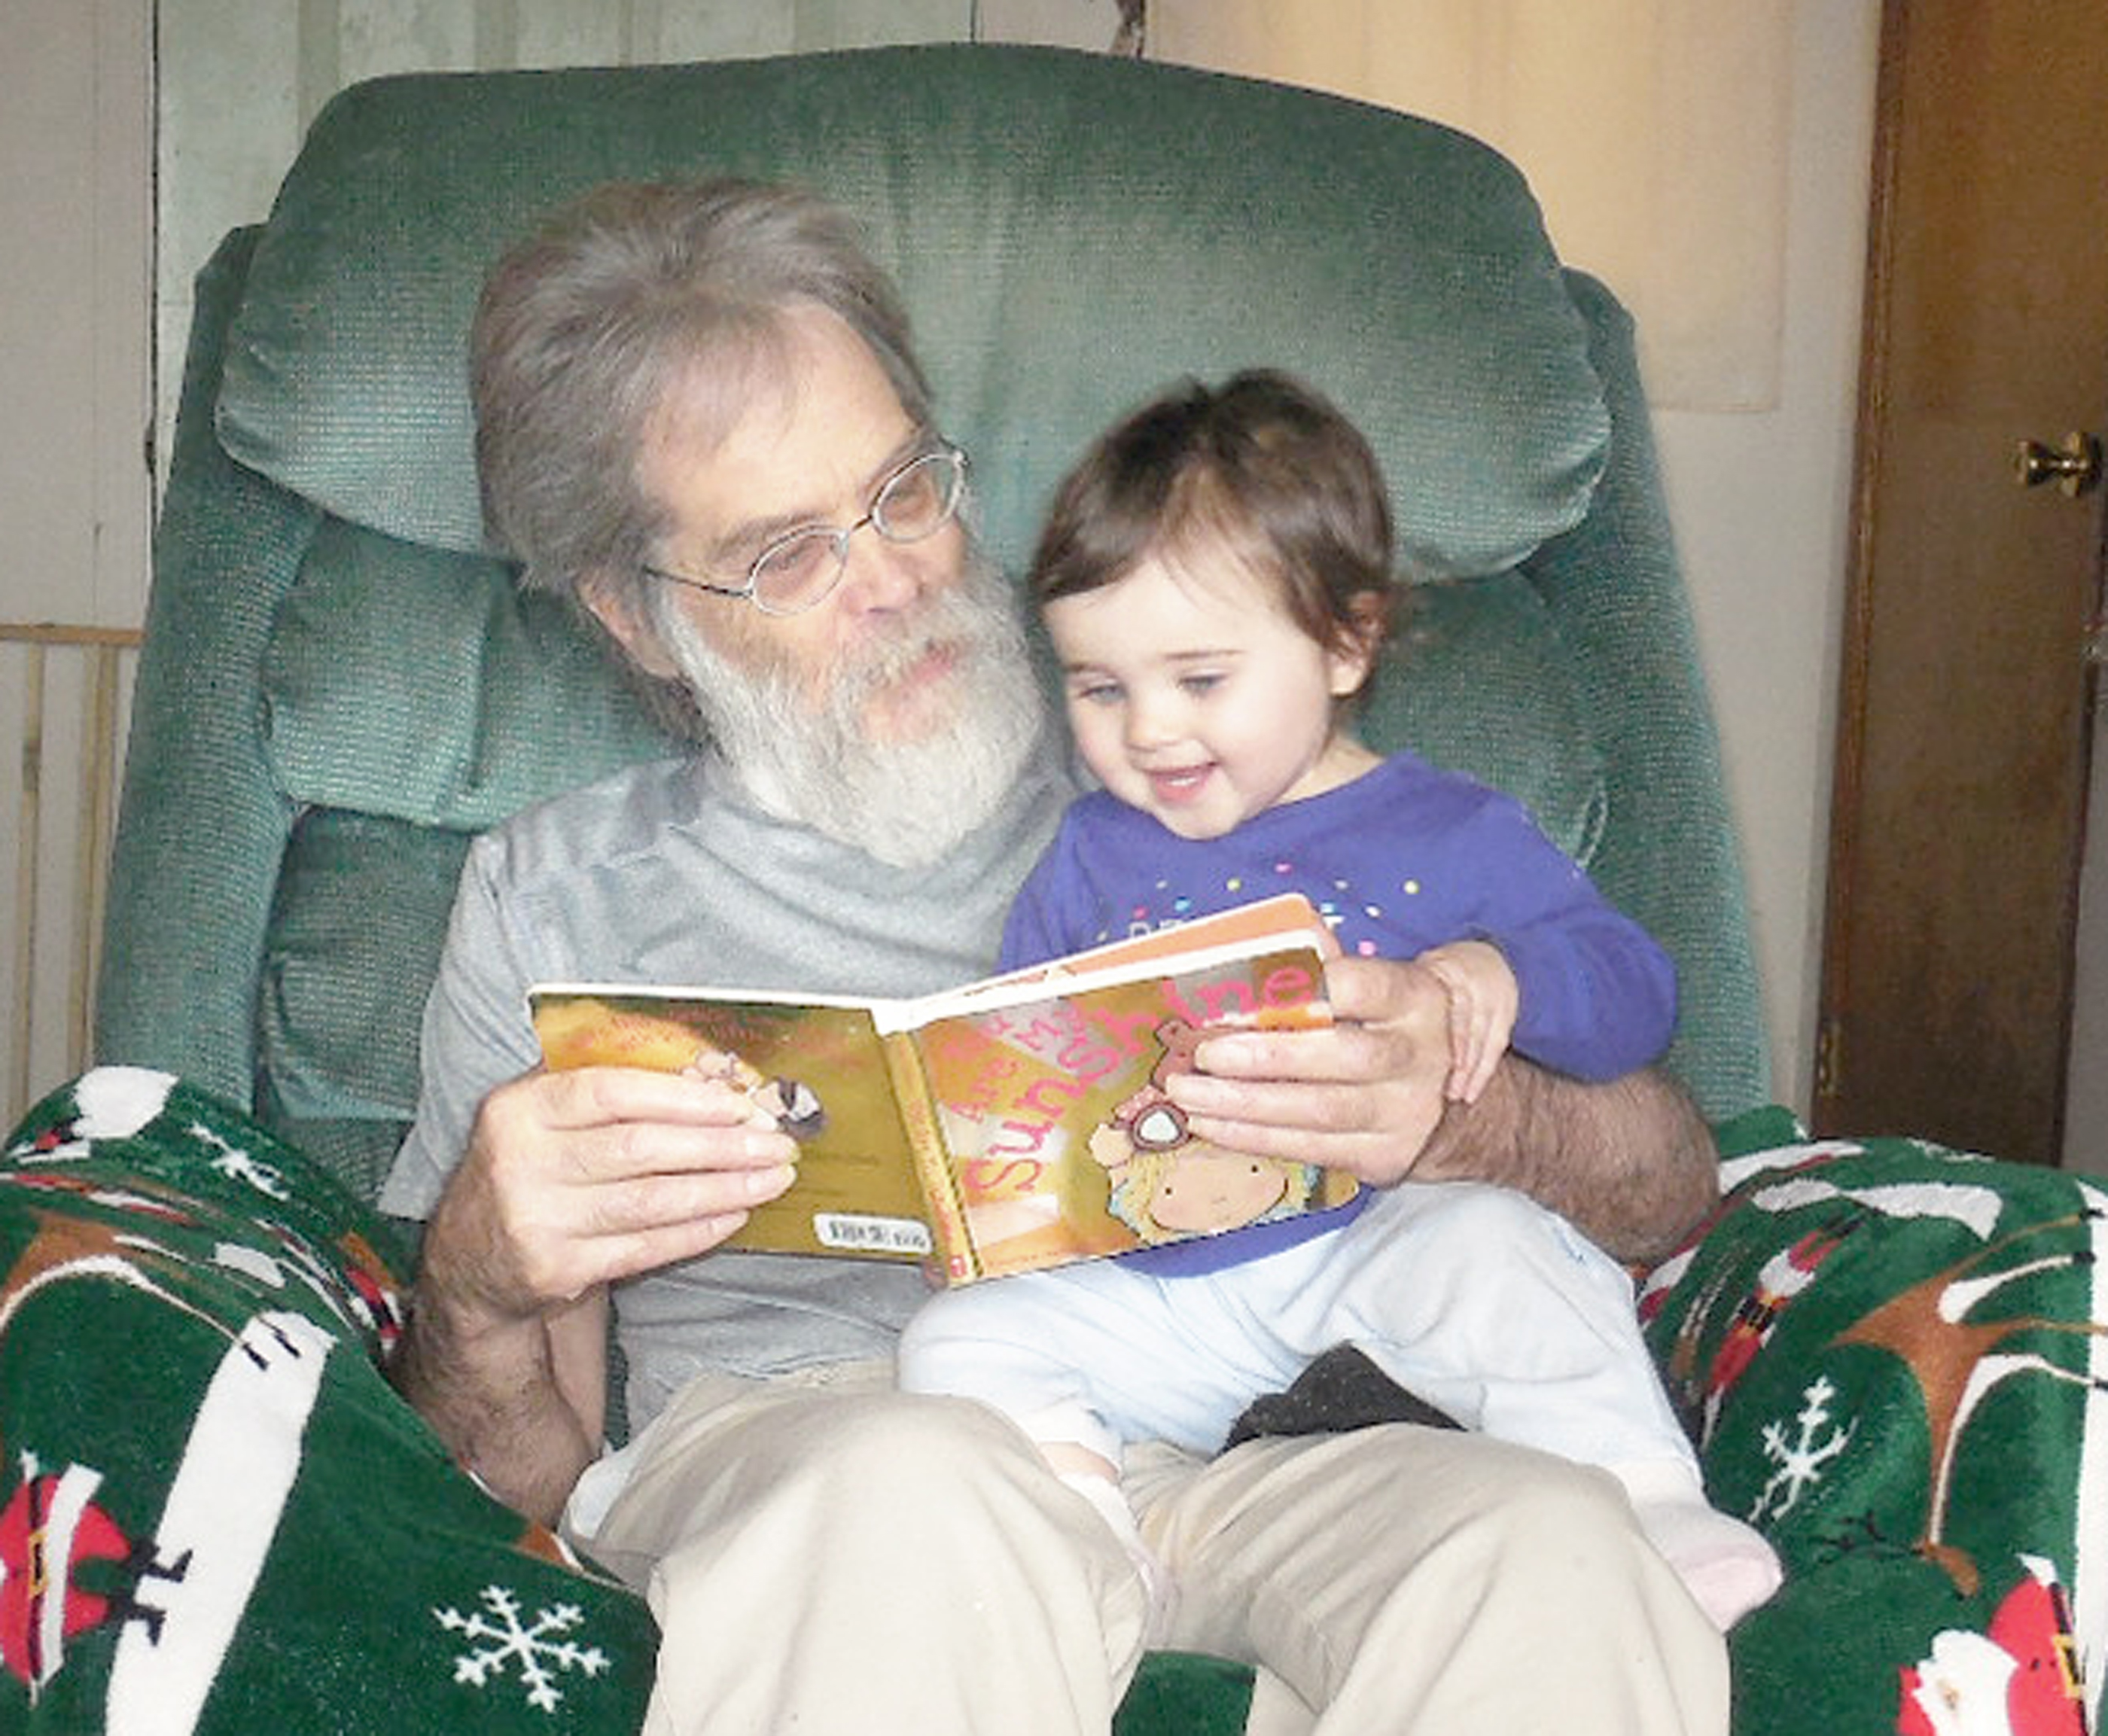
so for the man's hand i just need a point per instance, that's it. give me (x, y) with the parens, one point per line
(1629, 1161)
(571, 1181)
(1362, 1095)
(574, 1180)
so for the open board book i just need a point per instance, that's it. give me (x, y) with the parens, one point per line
(1016, 1122)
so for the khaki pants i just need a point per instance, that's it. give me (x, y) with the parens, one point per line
(837, 1562)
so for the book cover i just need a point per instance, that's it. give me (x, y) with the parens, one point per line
(1017, 1123)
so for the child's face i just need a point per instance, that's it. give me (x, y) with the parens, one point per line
(1198, 700)
(1207, 1189)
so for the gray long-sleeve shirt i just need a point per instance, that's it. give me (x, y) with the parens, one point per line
(667, 873)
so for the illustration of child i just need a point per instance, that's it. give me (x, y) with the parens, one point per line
(1217, 577)
(1166, 1183)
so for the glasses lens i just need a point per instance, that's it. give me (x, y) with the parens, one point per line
(796, 573)
(915, 501)
(920, 499)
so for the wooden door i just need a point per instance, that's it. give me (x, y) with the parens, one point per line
(1967, 695)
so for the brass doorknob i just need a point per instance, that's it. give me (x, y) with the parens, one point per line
(2074, 466)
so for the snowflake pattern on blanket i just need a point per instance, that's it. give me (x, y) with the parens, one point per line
(1895, 1360)
(215, 1515)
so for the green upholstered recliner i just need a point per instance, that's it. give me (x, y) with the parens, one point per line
(352, 682)
(340, 687)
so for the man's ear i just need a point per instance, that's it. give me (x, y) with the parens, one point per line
(618, 609)
(1355, 655)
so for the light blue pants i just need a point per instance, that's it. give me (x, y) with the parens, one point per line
(1474, 1298)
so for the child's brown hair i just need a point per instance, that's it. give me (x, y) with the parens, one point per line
(1265, 465)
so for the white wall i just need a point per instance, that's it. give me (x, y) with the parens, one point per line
(76, 250)
(1761, 503)
(1760, 498)
(76, 239)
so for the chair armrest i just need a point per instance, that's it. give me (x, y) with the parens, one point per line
(1613, 585)
(203, 826)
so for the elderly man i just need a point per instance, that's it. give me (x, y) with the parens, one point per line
(699, 414)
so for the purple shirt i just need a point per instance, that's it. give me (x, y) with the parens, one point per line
(1405, 858)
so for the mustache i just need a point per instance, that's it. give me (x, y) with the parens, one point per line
(974, 617)
(805, 746)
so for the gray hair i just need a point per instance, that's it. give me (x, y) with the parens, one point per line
(582, 328)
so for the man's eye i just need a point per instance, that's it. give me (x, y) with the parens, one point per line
(912, 498)
(797, 558)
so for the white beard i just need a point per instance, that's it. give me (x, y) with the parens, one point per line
(905, 802)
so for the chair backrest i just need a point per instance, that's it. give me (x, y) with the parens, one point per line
(339, 685)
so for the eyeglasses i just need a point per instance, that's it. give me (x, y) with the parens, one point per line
(799, 571)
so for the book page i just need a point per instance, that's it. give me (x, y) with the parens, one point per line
(1066, 1145)
(820, 1069)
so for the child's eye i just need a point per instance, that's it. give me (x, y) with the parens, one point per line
(1095, 693)
(1201, 682)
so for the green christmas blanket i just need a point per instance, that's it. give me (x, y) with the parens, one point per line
(1895, 1360)
(215, 1515)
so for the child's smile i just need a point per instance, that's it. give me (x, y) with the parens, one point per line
(1196, 699)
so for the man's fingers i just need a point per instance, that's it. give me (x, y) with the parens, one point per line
(1406, 993)
(655, 1221)
(602, 1096)
(585, 1178)
(644, 1151)
(1340, 1054)
(568, 1240)
(1308, 1120)
(1361, 1095)
(1378, 1155)
(649, 1201)
(598, 1125)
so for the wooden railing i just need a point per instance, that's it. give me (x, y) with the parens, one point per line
(64, 691)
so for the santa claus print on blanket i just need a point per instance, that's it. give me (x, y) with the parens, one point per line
(214, 1514)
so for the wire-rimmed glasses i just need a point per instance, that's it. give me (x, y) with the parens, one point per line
(799, 570)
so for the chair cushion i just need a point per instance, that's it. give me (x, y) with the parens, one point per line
(1482, 681)
(422, 686)
(354, 937)
(1402, 266)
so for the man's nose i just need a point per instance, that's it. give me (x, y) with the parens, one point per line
(880, 575)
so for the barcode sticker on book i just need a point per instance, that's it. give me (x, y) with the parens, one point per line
(851, 1232)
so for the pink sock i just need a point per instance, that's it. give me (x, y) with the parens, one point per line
(1727, 1566)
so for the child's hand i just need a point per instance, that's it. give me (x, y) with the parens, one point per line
(1484, 1002)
